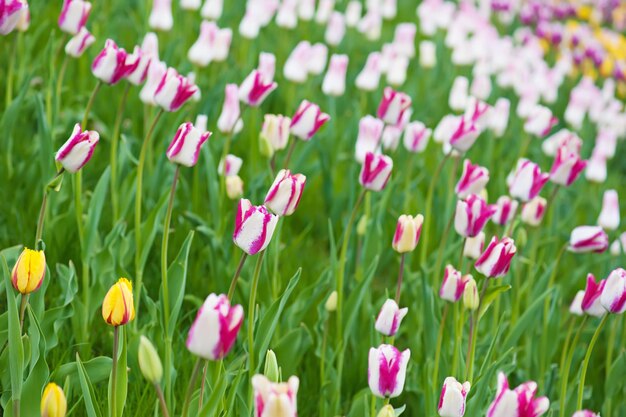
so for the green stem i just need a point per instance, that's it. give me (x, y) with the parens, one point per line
(400, 275)
(59, 84)
(546, 312)
(458, 336)
(190, 387)
(429, 204)
(10, 74)
(583, 373)
(292, 147)
(114, 150)
(609, 359)
(251, 308)
(442, 326)
(116, 341)
(474, 320)
(567, 365)
(23, 304)
(373, 406)
(162, 403)
(233, 282)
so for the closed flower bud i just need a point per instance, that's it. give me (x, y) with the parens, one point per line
(376, 171)
(229, 121)
(397, 70)
(613, 297)
(331, 302)
(161, 15)
(368, 140)
(185, 147)
(149, 361)
(416, 137)
(464, 135)
(474, 246)
(369, 77)
(404, 39)
(459, 94)
(588, 239)
(471, 299)
(255, 88)
(408, 231)
(471, 215)
(389, 318)
(139, 61)
(334, 83)
(585, 413)
(361, 226)
(534, 210)
(53, 402)
(596, 169)
(499, 118)
(284, 195)
(371, 24)
(453, 284)
(495, 261)
(481, 86)
(307, 120)
(29, 271)
(387, 370)
(234, 187)
(336, 29)
(79, 43)
(562, 138)
(111, 65)
(576, 307)
(452, 399)
(271, 370)
(520, 402)
(212, 9)
(156, 71)
(190, 4)
(118, 307)
(273, 399)
(540, 121)
(590, 302)
(473, 180)
(428, 54)
(296, 65)
(230, 165)
(286, 16)
(393, 106)
(78, 149)
(506, 210)
(214, 330)
(387, 411)
(317, 59)
(567, 167)
(213, 44)
(173, 91)
(254, 227)
(609, 216)
(527, 181)
(74, 15)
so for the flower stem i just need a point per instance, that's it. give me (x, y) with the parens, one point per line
(162, 403)
(114, 150)
(442, 244)
(116, 340)
(233, 282)
(442, 326)
(400, 275)
(429, 204)
(292, 147)
(190, 387)
(59, 84)
(10, 74)
(23, 305)
(567, 365)
(473, 333)
(583, 373)
(251, 308)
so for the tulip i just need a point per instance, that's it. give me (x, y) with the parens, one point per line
(391, 137)
(527, 180)
(387, 370)
(156, 71)
(173, 91)
(389, 318)
(271, 369)
(588, 239)
(520, 402)
(149, 361)
(473, 180)
(77, 45)
(317, 59)
(619, 245)
(596, 168)
(576, 307)
(23, 18)
(368, 139)
(29, 271)
(471, 299)
(185, 147)
(336, 29)
(286, 16)
(562, 138)
(229, 166)
(53, 402)
(495, 261)
(254, 227)
(214, 330)
(73, 15)
(609, 216)
(234, 187)
(284, 195)
(229, 121)
(296, 65)
(212, 44)
(331, 302)
(473, 246)
(452, 399)
(376, 171)
(585, 413)
(453, 284)
(111, 64)
(307, 120)
(161, 15)
(533, 211)
(539, 121)
(255, 88)
(371, 24)
(274, 133)
(78, 149)
(477, 113)
(471, 215)
(138, 61)
(275, 399)
(324, 9)
(464, 136)
(416, 136)
(393, 106)
(613, 297)
(190, 4)
(11, 12)
(387, 411)
(481, 87)
(408, 231)
(506, 210)
(606, 143)
(118, 307)
(445, 128)
(250, 25)
(499, 118)
(567, 167)
(397, 71)
(267, 65)
(334, 83)
(459, 94)
(591, 303)
(428, 54)
(212, 9)
(404, 39)
(389, 9)
(369, 77)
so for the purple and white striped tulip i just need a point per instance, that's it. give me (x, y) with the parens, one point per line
(161, 15)
(267, 65)
(416, 137)
(229, 166)
(408, 231)
(296, 65)
(520, 402)
(585, 413)
(376, 171)
(214, 331)
(307, 120)
(473, 180)
(11, 12)
(173, 91)
(452, 398)
(255, 88)
(79, 43)
(478, 113)
(334, 83)
(404, 39)
(156, 71)
(368, 139)
(567, 167)
(499, 117)
(527, 180)
(185, 147)
(213, 44)
(540, 121)
(459, 94)
(387, 370)
(576, 307)
(474, 246)
(369, 77)
(609, 216)
(274, 399)
(111, 64)
(495, 261)
(562, 138)
(591, 303)
(140, 61)
(230, 121)
(275, 132)
(74, 15)
(453, 284)
(588, 239)
(464, 135)
(533, 211)
(284, 195)
(506, 210)
(471, 215)
(393, 105)
(78, 149)
(254, 227)
(613, 296)
(389, 318)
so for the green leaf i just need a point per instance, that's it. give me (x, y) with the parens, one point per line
(36, 380)
(97, 370)
(177, 277)
(490, 297)
(525, 321)
(94, 213)
(91, 402)
(121, 383)
(355, 299)
(16, 348)
(149, 229)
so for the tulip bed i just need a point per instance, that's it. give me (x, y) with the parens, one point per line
(448, 206)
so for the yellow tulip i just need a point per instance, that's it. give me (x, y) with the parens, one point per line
(29, 271)
(118, 307)
(53, 403)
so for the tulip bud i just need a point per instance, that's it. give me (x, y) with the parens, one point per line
(318, 55)
(53, 402)
(588, 239)
(453, 284)
(393, 106)
(464, 135)
(506, 209)
(255, 88)
(534, 210)
(334, 83)
(190, 4)
(331, 302)
(214, 330)
(118, 307)
(481, 87)
(585, 413)
(213, 44)
(74, 15)
(452, 399)
(609, 216)
(473, 180)
(416, 136)
(591, 303)
(387, 411)
(371, 24)
(78, 149)
(596, 169)
(495, 261)
(369, 77)
(459, 94)
(539, 121)
(613, 297)
(296, 65)
(156, 71)
(212, 9)
(29, 271)
(389, 318)
(368, 139)
(275, 399)
(149, 361)
(361, 227)
(471, 299)
(284, 195)
(286, 16)
(271, 370)
(404, 39)
(428, 54)
(307, 120)
(336, 29)
(527, 181)
(161, 15)
(387, 370)
(567, 167)
(229, 121)
(562, 138)
(173, 91)
(391, 137)
(353, 13)
(234, 187)
(77, 45)
(376, 171)
(471, 215)
(254, 227)
(522, 400)
(185, 147)
(576, 306)
(275, 132)
(139, 61)
(499, 118)
(408, 231)
(111, 65)
(474, 246)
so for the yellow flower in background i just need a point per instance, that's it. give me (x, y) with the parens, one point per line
(584, 12)
(118, 307)
(53, 402)
(29, 271)
(606, 69)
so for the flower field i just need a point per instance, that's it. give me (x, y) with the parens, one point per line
(281, 208)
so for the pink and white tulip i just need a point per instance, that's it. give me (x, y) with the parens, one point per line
(307, 120)
(296, 65)
(336, 29)
(230, 121)
(78, 149)
(416, 137)
(161, 15)
(387, 370)
(591, 303)
(319, 56)
(267, 65)
(334, 83)
(139, 61)
(474, 246)
(212, 9)
(173, 91)
(213, 44)
(453, 397)
(353, 13)
(499, 117)
(408, 231)
(111, 64)
(567, 167)
(585, 413)
(254, 227)
(185, 147)
(284, 195)
(540, 121)
(391, 137)
(495, 261)
(588, 239)
(255, 88)
(527, 181)
(464, 135)
(459, 94)
(369, 77)
(393, 106)
(520, 402)
(471, 215)
(609, 216)
(74, 15)
(229, 166)
(596, 168)
(389, 318)
(156, 72)
(404, 39)
(533, 211)
(506, 210)
(376, 171)
(473, 180)
(275, 399)
(428, 54)
(613, 296)
(275, 131)
(79, 43)
(562, 138)
(11, 12)
(453, 284)
(368, 139)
